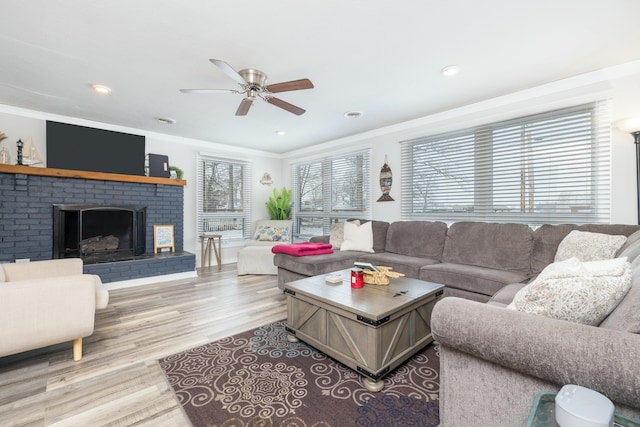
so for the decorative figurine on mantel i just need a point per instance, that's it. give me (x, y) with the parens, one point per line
(5, 158)
(20, 144)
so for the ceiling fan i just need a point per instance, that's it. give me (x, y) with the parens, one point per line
(254, 85)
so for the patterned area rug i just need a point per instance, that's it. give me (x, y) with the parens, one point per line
(258, 378)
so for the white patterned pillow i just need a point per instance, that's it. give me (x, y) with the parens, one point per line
(337, 234)
(578, 292)
(265, 233)
(588, 246)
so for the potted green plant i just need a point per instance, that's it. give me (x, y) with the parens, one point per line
(279, 204)
(179, 173)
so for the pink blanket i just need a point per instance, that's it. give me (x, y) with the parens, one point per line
(302, 249)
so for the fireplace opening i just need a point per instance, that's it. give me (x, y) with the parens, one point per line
(98, 233)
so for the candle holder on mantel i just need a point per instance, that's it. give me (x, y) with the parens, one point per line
(20, 144)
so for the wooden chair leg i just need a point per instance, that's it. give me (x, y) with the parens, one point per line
(77, 349)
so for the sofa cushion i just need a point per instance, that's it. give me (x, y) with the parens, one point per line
(481, 280)
(504, 296)
(575, 291)
(317, 264)
(357, 237)
(633, 238)
(1, 274)
(408, 265)
(417, 238)
(491, 245)
(626, 316)
(546, 239)
(587, 246)
(379, 234)
(631, 248)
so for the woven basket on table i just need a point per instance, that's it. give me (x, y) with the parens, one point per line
(380, 277)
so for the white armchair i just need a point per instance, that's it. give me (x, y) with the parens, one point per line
(256, 256)
(47, 302)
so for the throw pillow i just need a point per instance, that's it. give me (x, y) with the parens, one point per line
(587, 246)
(357, 237)
(265, 233)
(583, 295)
(337, 233)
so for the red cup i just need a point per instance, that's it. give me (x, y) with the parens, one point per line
(357, 278)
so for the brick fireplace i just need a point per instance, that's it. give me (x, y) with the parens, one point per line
(28, 196)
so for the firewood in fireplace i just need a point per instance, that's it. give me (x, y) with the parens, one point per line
(99, 243)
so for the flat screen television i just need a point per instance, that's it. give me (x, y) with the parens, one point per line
(96, 150)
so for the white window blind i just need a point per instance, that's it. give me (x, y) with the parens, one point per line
(331, 189)
(545, 168)
(224, 197)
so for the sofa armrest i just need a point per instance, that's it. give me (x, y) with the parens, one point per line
(553, 350)
(40, 312)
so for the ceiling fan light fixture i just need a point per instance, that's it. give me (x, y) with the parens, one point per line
(353, 114)
(101, 89)
(450, 70)
(254, 85)
(280, 132)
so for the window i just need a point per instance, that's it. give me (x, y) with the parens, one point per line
(329, 190)
(224, 203)
(547, 168)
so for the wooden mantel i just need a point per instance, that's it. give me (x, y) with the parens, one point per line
(64, 173)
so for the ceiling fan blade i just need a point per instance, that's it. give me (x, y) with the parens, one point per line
(229, 71)
(292, 85)
(208, 91)
(243, 109)
(285, 106)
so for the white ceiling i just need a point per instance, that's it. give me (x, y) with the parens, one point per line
(380, 57)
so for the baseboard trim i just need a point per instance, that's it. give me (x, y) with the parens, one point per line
(149, 280)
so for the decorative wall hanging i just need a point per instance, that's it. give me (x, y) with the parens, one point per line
(266, 179)
(386, 178)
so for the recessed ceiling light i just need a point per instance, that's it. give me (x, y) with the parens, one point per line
(101, 89)
(165, 120)
(353, 114)
(280, 132)
(450, 70)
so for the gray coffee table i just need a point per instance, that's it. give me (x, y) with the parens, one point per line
(372, 330)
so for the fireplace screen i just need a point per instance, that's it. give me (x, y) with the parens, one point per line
(98, 233)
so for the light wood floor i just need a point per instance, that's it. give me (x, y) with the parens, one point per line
(119, 382)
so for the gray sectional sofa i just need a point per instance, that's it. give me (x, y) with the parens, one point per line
(474, 260)
(493, 360)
